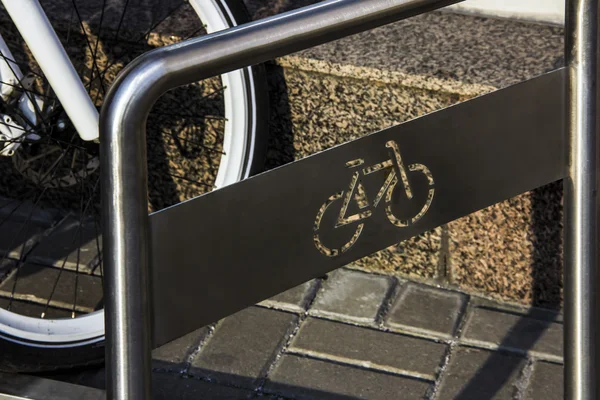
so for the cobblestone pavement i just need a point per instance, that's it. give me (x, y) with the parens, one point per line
(356, 335)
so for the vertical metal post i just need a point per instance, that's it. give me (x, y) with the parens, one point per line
(125, 234)
(581, 218)
(126, 272)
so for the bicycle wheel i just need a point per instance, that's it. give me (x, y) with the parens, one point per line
(200, 137)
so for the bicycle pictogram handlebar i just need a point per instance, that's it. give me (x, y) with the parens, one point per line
(356, 193)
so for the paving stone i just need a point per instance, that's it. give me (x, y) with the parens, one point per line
(171, 386)
(305, 378)
(294, 299)
(243, 345)
(546, 382)
(17, 238)
(480, 374)
(6, 266)
(92, 376)
(26, 211)
(390, 351)
(420, 308)
(34, 310)
(36, 283)
(351, 295)
(22, 386)
(175, 353)
(544, 314)
(164, 385)
(514, 332)
(73, 244)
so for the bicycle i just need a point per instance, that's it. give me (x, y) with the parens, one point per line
(358, 194)
(50, 94)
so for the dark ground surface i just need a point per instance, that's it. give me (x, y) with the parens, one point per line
(363, 336)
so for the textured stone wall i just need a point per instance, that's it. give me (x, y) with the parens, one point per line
(337, 92)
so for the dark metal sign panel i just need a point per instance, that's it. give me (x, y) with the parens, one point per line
(231, 248)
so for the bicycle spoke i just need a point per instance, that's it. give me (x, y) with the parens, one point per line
(191, 181)
(144, 36)
(95, 52)
(15, 62)
(81, 215)
(97, 231)
(193, 34)
(210, 117)
(64, 261)
(89, 45)
(70, 27)
(212, 94)
(21, 260)
(114, 41)
(27, 90)
(51, 151)
(32, 100)
(175, 137)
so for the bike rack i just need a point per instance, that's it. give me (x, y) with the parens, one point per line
(148, 305)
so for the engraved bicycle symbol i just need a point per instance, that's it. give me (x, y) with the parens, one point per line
(357, 193)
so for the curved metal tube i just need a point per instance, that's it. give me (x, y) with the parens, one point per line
(123, 151)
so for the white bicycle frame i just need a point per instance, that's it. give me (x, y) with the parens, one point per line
(36, 30)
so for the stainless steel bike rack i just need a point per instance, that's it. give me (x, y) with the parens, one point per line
(148, 305)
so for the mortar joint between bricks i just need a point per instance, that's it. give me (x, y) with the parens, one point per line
(524, 380)
(308, 302)
(387, 302)
(477, 344)
(361, 364)
(433, 393)
(195, 350)
(463, 317)
(453, 344)
(212, 381)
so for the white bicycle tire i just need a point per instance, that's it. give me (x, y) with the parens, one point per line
(237, 146)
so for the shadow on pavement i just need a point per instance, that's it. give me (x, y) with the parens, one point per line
(547, 287)
(168, 384)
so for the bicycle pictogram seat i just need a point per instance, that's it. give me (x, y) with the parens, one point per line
(397, 172)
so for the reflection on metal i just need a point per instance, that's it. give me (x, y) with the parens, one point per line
(357, 193)
(582, 336)
(257, 236)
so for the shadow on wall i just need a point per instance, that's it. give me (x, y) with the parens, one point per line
(547, 227)
(280, 149)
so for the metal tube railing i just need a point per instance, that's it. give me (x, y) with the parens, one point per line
(123, 152)
(581, 218)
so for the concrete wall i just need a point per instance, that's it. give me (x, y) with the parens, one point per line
(546, 11)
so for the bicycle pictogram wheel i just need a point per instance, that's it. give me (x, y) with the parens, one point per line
(356, 192)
